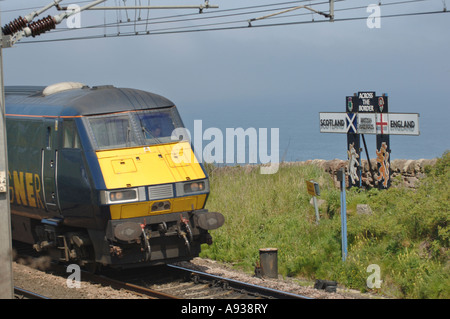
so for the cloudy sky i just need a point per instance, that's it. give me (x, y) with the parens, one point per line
(282, 65)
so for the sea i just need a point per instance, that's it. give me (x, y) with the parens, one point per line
(299, 137)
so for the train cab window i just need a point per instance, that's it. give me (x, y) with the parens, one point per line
(113, 131)
(135, 128)
(157, 125)
(70, 136)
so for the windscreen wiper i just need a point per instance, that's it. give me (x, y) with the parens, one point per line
(145, 130)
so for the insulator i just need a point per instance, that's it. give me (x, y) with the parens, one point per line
(14, 26)
(42, 25)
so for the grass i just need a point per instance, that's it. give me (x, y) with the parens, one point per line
(407, 234)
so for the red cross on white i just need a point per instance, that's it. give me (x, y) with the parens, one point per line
(381, 124)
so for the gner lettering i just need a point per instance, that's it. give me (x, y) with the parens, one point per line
(25, 189)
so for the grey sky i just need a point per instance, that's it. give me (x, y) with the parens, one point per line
(251, 70)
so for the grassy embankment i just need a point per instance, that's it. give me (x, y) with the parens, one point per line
(407, 235)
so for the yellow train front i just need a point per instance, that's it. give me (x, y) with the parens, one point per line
(104, 175)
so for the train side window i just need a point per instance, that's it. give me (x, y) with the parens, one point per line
(70, 136)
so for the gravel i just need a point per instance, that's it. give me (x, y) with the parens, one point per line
(31, 275)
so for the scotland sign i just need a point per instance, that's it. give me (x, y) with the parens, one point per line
(333, 123)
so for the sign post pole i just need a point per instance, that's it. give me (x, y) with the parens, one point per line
(341, 178)
(314, 190)
(6, 276)
(316, 209)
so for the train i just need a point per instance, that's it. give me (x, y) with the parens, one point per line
(98, 177)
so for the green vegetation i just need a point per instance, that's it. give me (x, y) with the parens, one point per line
(407, 234)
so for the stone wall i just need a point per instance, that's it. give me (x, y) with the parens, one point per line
(409, 170)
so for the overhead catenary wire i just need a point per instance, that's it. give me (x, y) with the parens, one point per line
(158, 20)
(229, 28)
(226, 23)
(155, 20)
(204, 15)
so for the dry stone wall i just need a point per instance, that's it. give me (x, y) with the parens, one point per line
(411, 171)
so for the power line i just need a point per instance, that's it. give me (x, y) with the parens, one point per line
(232, 28)
(215, 15)
(202, 16)
(227, 22)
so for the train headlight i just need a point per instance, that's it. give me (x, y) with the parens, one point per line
(123, 195)
(194, 187)
(119, 196)
(188, 188)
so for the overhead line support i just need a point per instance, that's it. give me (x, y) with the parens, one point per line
(327, 15)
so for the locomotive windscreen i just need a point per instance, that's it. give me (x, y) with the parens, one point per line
(133, 128)
(113, 131)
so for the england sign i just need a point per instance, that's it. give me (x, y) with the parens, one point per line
(403, 124)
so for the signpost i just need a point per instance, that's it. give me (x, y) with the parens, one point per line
(314, 190)
(367, 113)
(341, 179)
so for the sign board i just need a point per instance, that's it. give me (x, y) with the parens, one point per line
(333, 123)
(366, 123)
(367, 102)
(370, 123)
(313, 188)
(367, 113)
(351, 121)
(403, 123)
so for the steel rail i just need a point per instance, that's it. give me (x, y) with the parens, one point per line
(154, 294)
(239, 285)
(26, 294)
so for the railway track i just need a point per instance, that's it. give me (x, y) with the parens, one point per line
(20, 293)
(127, 286)
(231, 286)
(175, 282)
(186, 283)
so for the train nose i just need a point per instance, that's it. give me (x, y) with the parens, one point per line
(150, 165)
